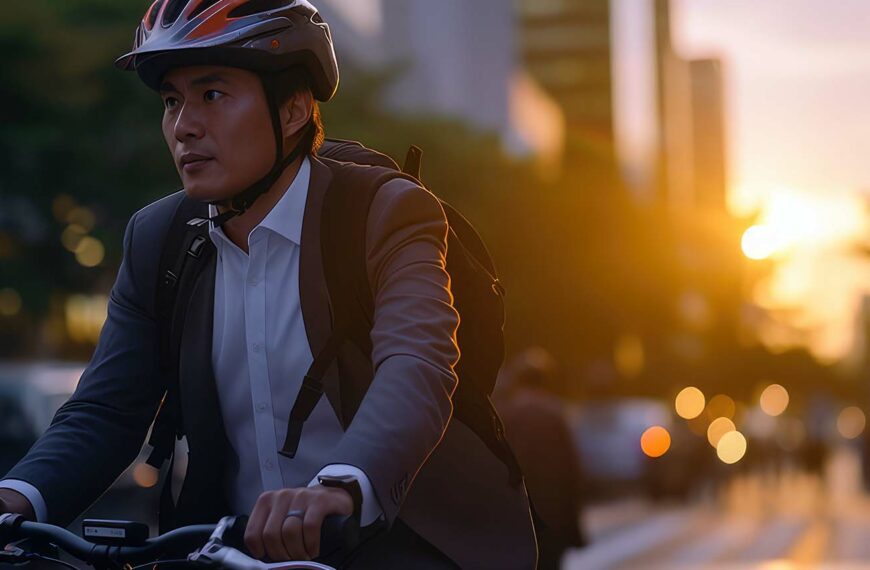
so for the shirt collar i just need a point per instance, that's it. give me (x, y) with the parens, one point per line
(285, 217)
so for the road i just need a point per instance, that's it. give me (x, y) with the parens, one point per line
(786, 521)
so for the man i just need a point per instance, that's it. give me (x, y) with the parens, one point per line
(540, 435)
(239, 79)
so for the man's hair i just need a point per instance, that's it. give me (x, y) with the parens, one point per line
(290, 82)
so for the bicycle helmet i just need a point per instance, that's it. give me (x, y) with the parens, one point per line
(263, 36)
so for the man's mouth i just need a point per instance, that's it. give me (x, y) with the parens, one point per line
(191, 161)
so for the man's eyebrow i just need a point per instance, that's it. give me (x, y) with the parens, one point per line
(204, 80)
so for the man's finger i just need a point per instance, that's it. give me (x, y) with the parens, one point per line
(254, 529)
(274, 540)
(311, 528)
(291, 533)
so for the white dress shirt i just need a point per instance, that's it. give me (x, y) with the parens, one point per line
(260, 353)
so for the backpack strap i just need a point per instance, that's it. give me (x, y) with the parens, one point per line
(414, 162)
(352, 151)
(344, 216)
(343, 222)
(185, 249)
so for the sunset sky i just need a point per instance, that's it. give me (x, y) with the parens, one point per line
(799, 86)
(798, 89)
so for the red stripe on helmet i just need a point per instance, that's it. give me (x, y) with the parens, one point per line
(214, 19)
(146, 20)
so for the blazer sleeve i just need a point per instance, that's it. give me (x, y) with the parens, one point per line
(407, 407)
(97, 433)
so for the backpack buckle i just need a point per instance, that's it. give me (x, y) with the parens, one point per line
(195, 249)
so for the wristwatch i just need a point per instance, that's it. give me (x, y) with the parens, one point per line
(349, 484)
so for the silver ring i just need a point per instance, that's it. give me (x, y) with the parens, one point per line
(295, 513)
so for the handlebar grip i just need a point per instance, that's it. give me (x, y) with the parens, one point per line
(338, 533)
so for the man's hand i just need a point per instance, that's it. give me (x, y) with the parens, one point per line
(270, 532)
(14, 502)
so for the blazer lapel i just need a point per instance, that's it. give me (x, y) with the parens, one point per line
(313, 293)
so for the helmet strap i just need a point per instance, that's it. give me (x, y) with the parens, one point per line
(240, 203)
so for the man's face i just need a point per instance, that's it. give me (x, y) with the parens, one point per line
(217, 126)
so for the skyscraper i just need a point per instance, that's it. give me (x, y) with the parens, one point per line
(566, 47)
(708, 134)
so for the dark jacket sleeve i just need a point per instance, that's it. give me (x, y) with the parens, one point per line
(97, 433)
(406, 410)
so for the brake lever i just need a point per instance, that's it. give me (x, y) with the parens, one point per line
(205, 554)
(11, 554)
(216, 556)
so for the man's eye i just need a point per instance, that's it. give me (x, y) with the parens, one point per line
(211, 95)
(170, 102)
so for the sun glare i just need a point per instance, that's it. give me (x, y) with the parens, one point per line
(759, 242)
(791, 220)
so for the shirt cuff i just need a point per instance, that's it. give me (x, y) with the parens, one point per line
(31, 493)
(371, 509)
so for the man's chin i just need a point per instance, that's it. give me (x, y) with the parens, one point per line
(203, 193)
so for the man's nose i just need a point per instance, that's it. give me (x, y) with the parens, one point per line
(188, 124)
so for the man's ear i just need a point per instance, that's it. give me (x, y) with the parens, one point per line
(295, 114)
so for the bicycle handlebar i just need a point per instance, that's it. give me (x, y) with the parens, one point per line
(338, 532)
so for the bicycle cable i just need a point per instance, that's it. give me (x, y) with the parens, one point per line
(160, 563)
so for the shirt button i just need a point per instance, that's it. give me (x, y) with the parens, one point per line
(268, 464)
(256, 347)
(261, 407)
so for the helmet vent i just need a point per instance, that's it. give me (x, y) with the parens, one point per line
(151, 18)
(172, 11)
(256, 7)
(202, 7)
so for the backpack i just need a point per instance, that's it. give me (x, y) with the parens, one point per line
(477, 291)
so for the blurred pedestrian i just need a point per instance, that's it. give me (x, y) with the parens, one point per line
(536, 427)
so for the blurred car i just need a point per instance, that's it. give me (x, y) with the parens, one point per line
(30, 395)
(608, 435)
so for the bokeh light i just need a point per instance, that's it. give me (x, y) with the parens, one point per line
(732, 447)
(85, 316)
(774, 400)
(851, 422)
(721, 406)
(689, 403)
(717, 430)
(10, 302)
(655, 441)
(90, 252)
(82, 217)
(144, 475)
(72, 236)
(760, 242)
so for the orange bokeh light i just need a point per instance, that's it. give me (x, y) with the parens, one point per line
(655, 441)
